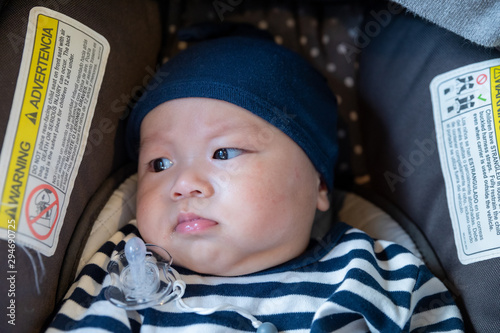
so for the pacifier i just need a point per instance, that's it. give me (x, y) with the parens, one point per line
(141, 277)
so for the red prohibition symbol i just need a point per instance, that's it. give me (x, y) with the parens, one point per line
(481, 79)
(44, 211)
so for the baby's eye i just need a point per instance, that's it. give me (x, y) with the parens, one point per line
(227, 153)
(160, 164)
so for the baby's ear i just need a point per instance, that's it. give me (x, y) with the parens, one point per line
(323, 203)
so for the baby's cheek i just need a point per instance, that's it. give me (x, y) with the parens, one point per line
(267, 203)
(142, 212)
(147, 199)
(145, 214)
(148, 231)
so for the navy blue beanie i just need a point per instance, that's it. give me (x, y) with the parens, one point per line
(256, 74)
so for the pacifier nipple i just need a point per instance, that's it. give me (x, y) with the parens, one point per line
(140, 276)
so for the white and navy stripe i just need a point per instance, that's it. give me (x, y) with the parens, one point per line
(347, 282)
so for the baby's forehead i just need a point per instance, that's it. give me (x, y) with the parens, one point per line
(205, 116)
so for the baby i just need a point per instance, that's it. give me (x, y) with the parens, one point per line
(236, 150)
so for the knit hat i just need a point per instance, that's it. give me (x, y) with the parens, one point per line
(258, 75)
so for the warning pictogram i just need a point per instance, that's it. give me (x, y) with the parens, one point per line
(42, 211)
(32, 117)
(481, 79)
(496, 73)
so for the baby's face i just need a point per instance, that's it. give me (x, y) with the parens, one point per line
(222, 190)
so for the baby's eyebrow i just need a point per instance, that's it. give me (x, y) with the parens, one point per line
(215, 130)
(151, 140)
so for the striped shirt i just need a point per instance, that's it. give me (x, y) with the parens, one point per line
(346, 282)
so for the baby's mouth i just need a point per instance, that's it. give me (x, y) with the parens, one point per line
(191, 223)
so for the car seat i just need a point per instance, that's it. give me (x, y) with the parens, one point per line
(379, 60)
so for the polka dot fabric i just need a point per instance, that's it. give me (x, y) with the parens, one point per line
(322, 32)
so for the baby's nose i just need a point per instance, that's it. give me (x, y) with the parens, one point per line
(192, 182)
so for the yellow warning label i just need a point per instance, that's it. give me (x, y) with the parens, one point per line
(29, 120)
(495, 99)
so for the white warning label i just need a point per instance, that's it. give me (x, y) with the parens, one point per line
(466, 104)
(60, 76)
